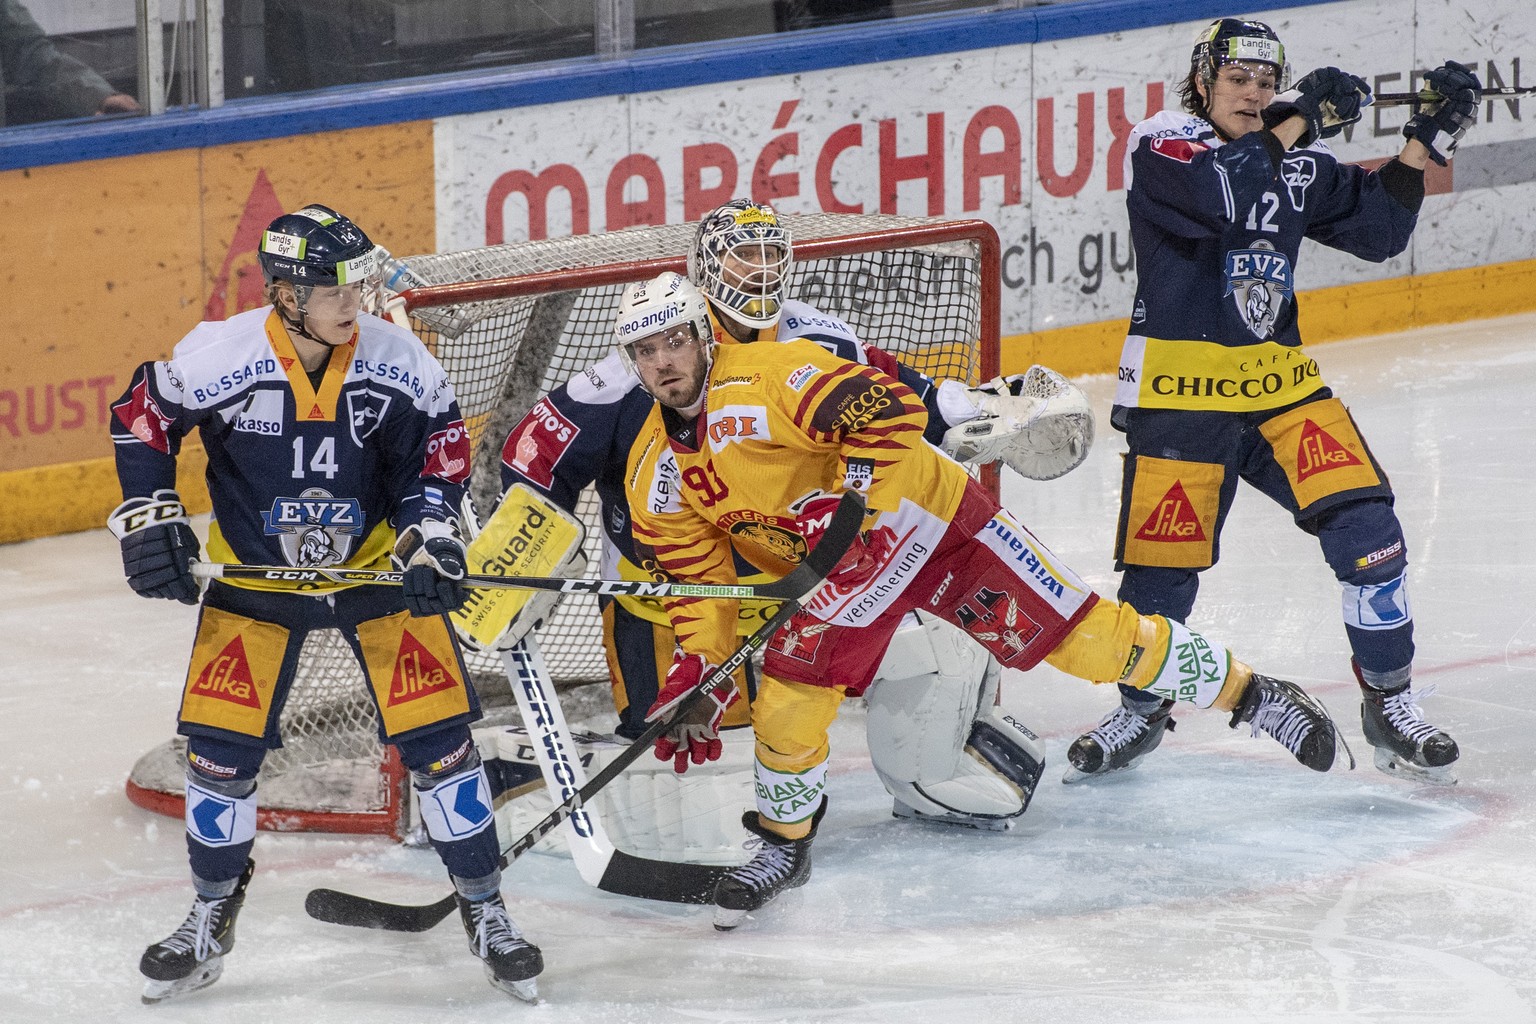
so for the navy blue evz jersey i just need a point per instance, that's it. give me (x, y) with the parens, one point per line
(299, 475)
(1216, 228)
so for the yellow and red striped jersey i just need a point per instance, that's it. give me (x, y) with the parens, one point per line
(781, 423)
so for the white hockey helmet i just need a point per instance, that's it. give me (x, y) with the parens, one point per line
(748, 290)
(659, 306)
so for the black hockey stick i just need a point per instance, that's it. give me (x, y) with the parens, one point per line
(795, 583)
(1418, 99)
(361, 912)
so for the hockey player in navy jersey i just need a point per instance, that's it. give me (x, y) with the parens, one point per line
(1214, 385)
(581, 433)
(333, 439)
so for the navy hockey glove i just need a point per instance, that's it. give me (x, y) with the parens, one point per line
(1448, 108)
(431, 556)
(159, 546)
(1328, 98)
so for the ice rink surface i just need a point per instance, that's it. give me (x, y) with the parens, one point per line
(1219, 882)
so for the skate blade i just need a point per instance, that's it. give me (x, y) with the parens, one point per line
(952, 820)
(725, 919)
(1390, 764)
(206, 974)
(527, 990)
(1072, 776)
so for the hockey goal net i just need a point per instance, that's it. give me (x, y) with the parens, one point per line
(510, 323)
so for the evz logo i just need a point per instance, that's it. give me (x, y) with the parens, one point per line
(1259, 281)
(316, 528)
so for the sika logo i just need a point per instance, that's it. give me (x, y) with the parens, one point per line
(417, 673)
(1173, 521)
(1318, 452)
(228, 677)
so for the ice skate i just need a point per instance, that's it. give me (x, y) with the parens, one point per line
(1405, 745)
(1292, 718)
(192, 957)
(1119, 742)
(512, 963)
(779, 864)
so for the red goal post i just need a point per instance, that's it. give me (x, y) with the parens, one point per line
(509, 323)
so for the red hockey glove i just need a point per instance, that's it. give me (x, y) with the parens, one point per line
(696, 735)
(856, 569)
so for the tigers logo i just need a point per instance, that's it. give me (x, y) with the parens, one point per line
(781, 543)
(1173, 520)
(1319, 452)
(417, 673)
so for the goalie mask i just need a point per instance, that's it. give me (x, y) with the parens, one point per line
(666, 313)
(1235, 41)
(740, 258)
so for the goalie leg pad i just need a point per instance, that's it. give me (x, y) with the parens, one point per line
(647, 811)
(939, 746)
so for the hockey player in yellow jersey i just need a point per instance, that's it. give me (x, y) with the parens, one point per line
(754, 444)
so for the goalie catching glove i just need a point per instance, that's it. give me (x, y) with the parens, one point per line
(431, 557)
(696, 736)
(159, 546)
(1038, 422)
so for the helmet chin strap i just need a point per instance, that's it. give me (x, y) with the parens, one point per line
(301, 325)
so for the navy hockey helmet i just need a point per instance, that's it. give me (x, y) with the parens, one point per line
(748, 289)
(1237, 41)
(316, 246)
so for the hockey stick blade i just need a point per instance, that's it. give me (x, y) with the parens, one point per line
(334, 907)
(308, 578)
(361, 911)
(1413, 99)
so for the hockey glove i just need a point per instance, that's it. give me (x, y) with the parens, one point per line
(1328, 98)
(859, 566)
(695, 737)
(431, 556)
(1449, 101)
(159, 546)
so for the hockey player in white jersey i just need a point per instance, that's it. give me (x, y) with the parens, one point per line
(945, 752)
(333, 439)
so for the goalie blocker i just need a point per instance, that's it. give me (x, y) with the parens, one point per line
(527, 535)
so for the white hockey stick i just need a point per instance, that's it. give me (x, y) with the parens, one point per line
(600, 863)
